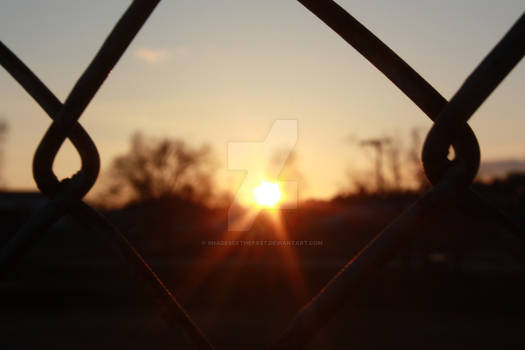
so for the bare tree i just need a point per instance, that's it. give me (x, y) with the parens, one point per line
(160, 168)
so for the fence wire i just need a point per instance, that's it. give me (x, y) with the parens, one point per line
(451, 180)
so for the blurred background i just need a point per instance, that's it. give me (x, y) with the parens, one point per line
(203, 74)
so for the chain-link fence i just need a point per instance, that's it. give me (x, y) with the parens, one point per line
(451, 179)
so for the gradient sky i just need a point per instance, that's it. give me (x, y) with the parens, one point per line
(217, 71)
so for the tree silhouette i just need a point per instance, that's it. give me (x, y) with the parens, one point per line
(162, 168)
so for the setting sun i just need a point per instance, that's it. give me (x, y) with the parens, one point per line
(267, 194)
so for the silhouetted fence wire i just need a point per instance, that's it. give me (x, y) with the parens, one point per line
(451, 180)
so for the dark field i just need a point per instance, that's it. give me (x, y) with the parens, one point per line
(93, 306)
(72, 293)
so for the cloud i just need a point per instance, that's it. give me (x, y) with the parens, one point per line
(153, 56)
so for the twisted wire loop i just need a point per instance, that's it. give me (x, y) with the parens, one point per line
(90, 160)
(65, 197)
(449, 125)
(450, 179)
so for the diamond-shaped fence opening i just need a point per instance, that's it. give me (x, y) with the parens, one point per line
(451, 179)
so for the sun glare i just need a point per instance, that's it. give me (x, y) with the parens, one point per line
(267, 194)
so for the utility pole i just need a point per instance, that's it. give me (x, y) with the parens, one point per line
(378, 144)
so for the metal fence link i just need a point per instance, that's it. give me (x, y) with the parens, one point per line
(65, 196)
(450, 179)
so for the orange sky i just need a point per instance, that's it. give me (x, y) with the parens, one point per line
(220, 72)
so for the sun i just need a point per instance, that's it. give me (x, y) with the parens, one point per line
(267, 194)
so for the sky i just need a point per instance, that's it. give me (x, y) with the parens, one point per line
(222, 71)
